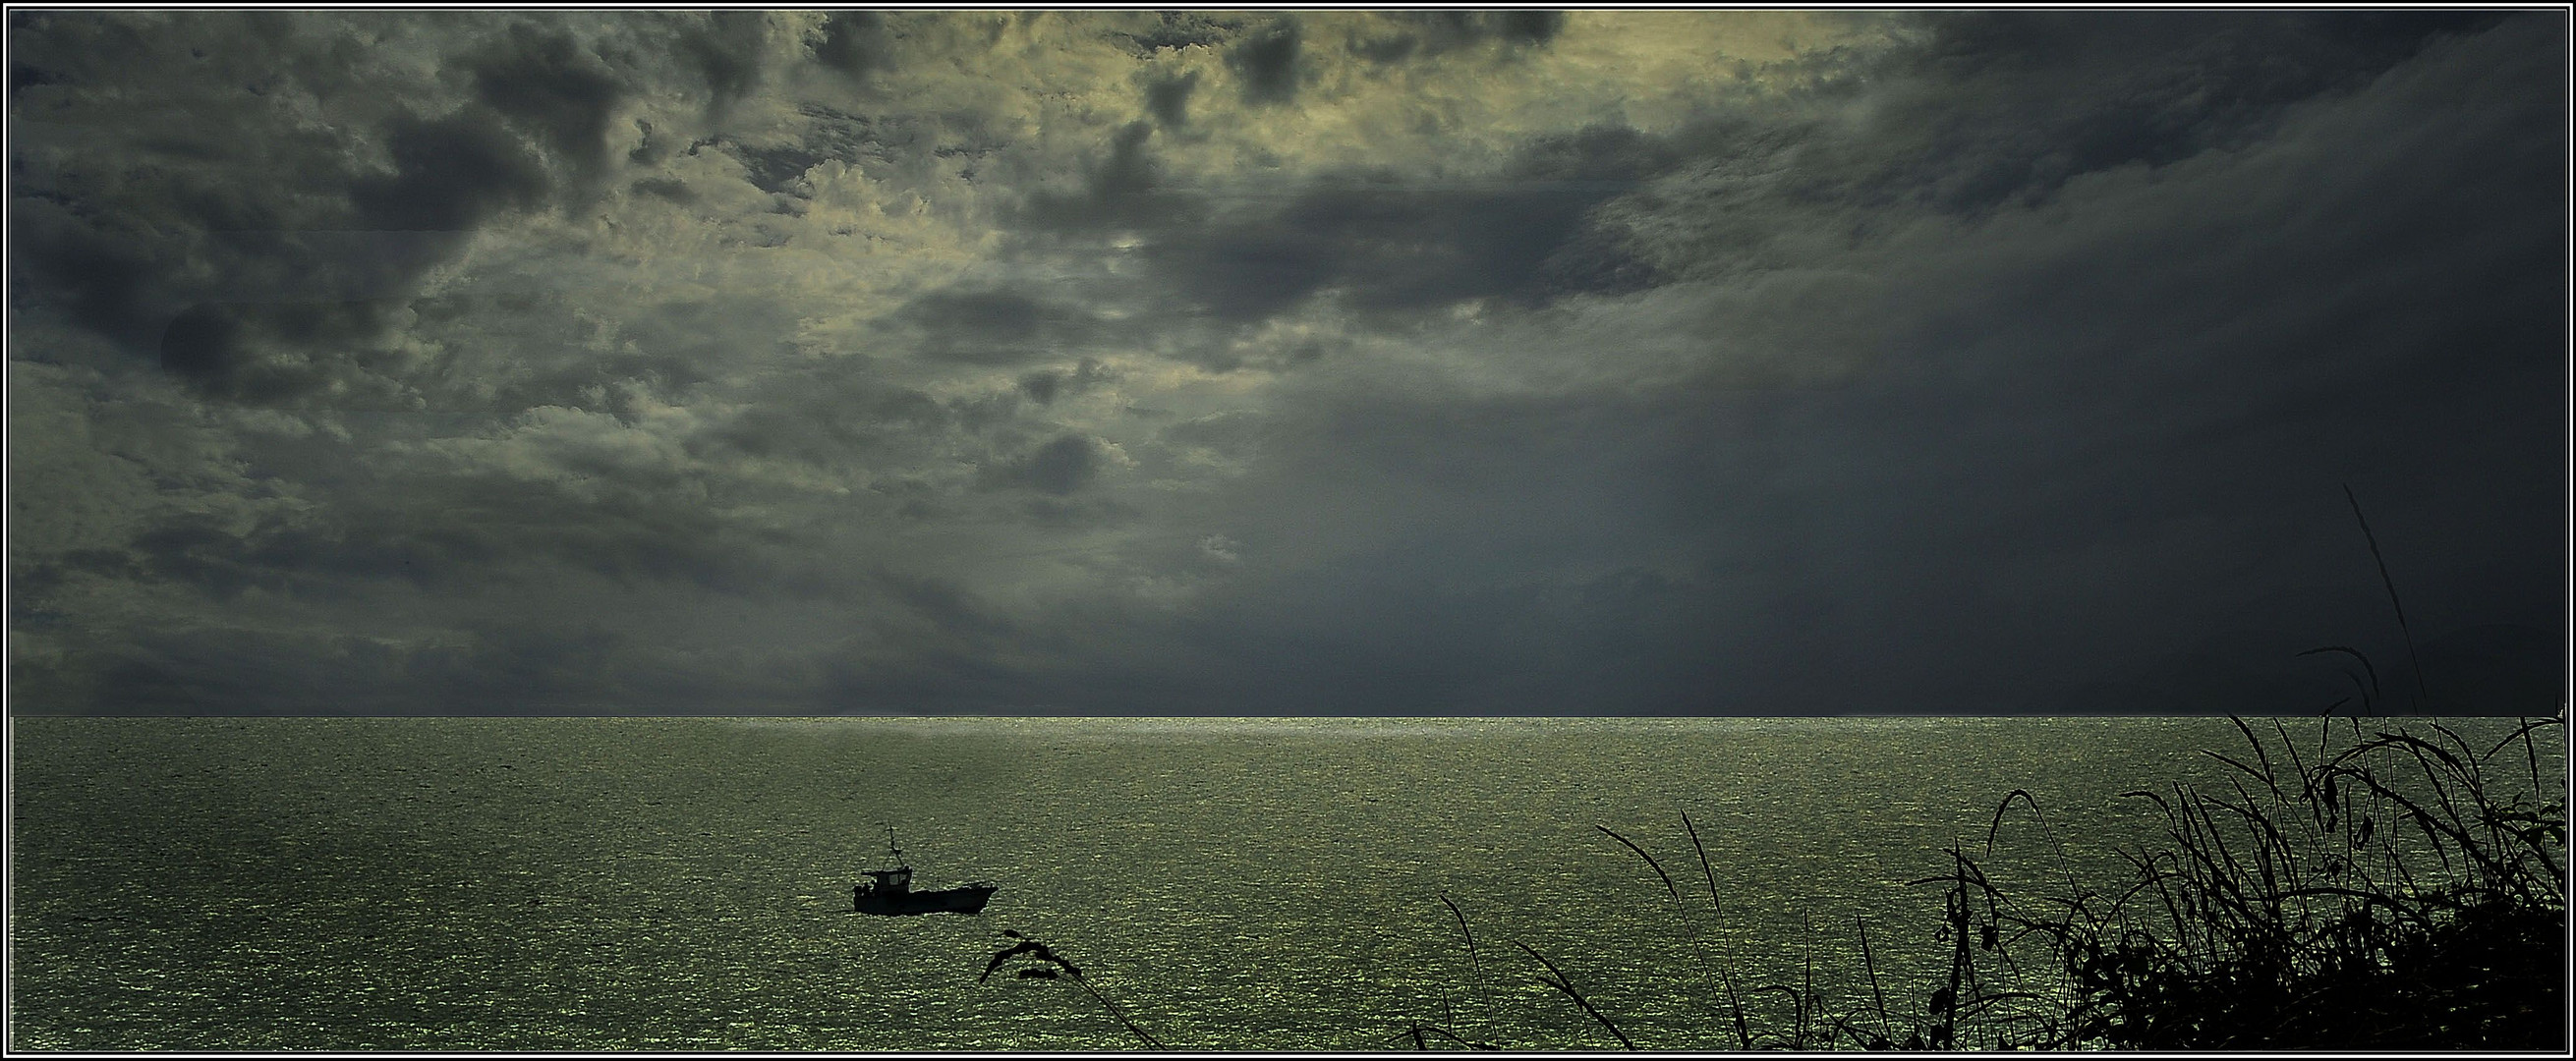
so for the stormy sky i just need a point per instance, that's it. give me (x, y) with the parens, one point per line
(1421, 363)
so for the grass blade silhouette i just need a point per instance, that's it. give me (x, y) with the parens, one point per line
(1676, 893)
(1475, 964)
(1030, 946)
(2421, 697)
(1704, 869)
(1557, 980)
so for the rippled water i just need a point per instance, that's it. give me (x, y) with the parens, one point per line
(367, 884)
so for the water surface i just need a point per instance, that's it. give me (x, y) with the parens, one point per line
(681, 884)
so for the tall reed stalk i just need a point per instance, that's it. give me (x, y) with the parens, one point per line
(2361, 888)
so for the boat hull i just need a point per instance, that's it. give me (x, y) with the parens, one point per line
(967, 900)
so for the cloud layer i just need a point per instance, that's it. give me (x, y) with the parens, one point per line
(1282, 363)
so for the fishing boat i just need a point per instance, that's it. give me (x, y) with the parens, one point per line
(889, 891)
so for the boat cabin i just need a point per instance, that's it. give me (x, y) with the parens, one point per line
(889, 891)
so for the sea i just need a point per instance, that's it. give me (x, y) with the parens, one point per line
(1253, 884)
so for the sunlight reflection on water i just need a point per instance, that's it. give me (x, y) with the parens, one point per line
(682, 884)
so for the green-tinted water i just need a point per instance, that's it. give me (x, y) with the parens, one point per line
(1257, 884)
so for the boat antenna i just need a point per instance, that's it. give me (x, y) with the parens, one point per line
(890, 848)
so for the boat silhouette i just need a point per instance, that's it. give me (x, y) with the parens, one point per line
(888, 892)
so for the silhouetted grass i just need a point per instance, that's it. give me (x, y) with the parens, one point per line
(2383, 892)
(1041, 962)
(2380, 896)
(2367, 887)
(2362, 887)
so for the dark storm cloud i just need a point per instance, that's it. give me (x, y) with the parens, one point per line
(554, 90)
(1122, 188)
(1992, 110)
(1431, 33)
(1391, 244)
(1232, 433)
(1469, 611)
(2012, 429)
(1998, 107)
(1977, 361)
(1041, 387)
(839, 415)
(1624, 641)
(847, 426)
(667, 188)
(115, 273)
(219, 256)
(1044, 385)
(2095, 467)
(946, 605)
(1183, 29)
(97, 284)
(1395, 246)
(451, 534)
(829, 134)
(1265, 61)
(449, 175)
(1057, 467)
(515, 351)
(22, 75)
(1528, 27)
(225, 351)
(1168, 99)
(206, 254)
(989, 327)
(1423, 619)
(852, 42)
(505, 669)
(611, 494)
(986, 317)
(728, 53)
